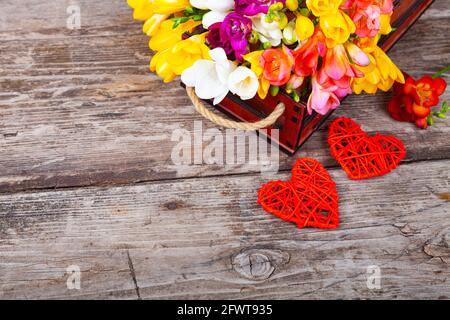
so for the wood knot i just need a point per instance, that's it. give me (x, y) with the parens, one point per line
(174, 205)
(259, 264)
(439, 246)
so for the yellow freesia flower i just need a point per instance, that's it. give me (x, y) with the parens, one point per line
(169, 6)
(304, 27)
(143, 9)
(337, 28)
(385, 24)
(171, 62)
(160, 64)
(153, 23)
(292, 5)
(381, 74)
(323, 7)
(166, 36)
(264, 85)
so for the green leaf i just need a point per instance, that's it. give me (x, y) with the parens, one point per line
(440, 73)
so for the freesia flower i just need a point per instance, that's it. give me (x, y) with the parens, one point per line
(160, 64)
(385, 24)
(323, 7)
(214, 79)
(425, 91)
(247, 46)
(166, 36)
(340, 87)
(218, 10)
(264, 85)
(243, 82)
(172, 61)
(214, 5)
(337, 65)
(254, 7)
(368, 22)
(307, 56)
(304, 27)
(337, 28)
(232, 35)
(169, 6)
(380, 74)
(412, 101)
(143, 9)
(294, 82)
(210, 78)
(358, 56)
(277, 65)
(322, 100)
(289, 34)
(268, 31)
(152, 24)
(386, 6)
(292, 5)
(370, 16)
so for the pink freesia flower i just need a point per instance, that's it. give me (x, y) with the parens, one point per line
(386, 6)
(341, 88)
(368, 21)
(322, 99)
(336, 64)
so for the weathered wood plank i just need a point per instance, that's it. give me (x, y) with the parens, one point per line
(79, 108)
(184, 239)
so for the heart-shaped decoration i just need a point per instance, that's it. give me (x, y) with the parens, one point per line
(362, 156)
(309, 199)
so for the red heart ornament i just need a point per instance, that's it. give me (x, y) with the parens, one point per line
(309, 199)
(362, 156)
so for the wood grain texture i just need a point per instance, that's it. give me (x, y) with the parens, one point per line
(82, 119)
(183, 239)
(80, 108)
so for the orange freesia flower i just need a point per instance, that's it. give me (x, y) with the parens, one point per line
(307, 56)
(277, 65)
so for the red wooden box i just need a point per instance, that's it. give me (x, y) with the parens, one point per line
(296, 125)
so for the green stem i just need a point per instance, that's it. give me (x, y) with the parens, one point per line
(440, 73)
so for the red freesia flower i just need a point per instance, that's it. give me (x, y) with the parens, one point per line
(412, 101)
(307, 56)
(426, 91)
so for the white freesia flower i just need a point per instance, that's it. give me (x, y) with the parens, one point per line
(215, 79)
(268, 31)
(218, 10)
(210, 78)
(289, 34)
(244, 83)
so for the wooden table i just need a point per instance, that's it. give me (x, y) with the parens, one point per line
(86, 179)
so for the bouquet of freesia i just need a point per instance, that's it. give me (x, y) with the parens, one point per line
(319, 50)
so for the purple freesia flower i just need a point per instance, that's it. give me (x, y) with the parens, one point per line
(254, 7)
(232, 35)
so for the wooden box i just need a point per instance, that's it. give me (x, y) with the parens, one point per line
(296, 125)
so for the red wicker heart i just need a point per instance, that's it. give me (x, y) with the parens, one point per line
(362, 156)
(309, 199)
